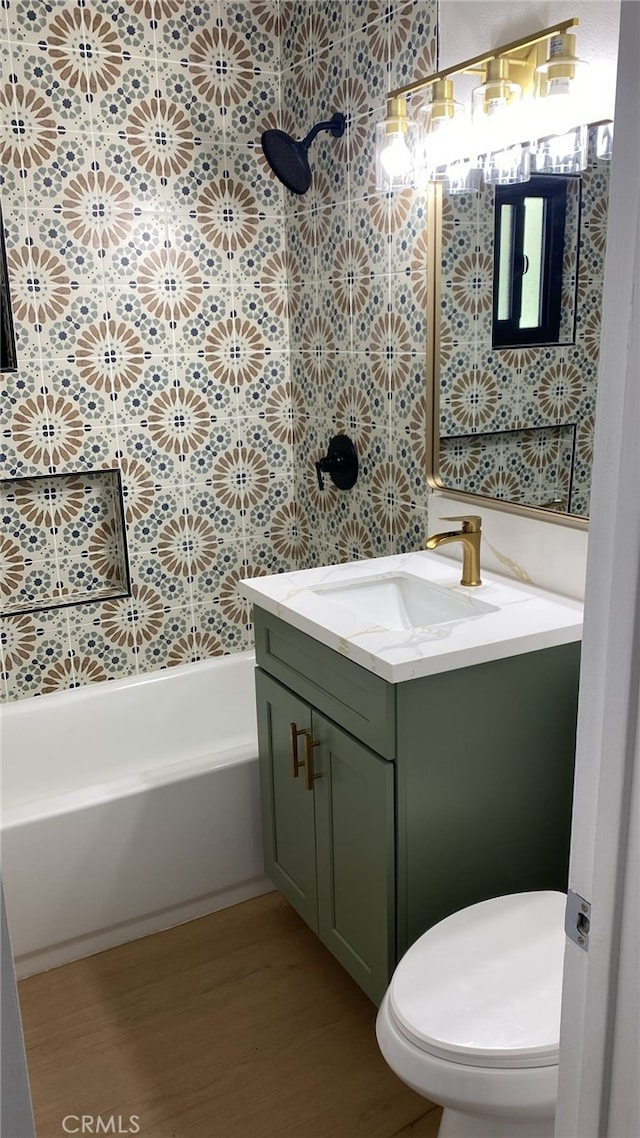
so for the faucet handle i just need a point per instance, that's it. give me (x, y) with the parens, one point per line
(471, 523)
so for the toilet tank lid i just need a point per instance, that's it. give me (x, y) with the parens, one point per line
(483, 987)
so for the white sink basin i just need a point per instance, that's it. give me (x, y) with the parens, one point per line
(399, 601)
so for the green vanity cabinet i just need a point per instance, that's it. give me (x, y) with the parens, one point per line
(432, 794)
(329, 843)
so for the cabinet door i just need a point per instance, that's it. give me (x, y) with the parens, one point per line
(354, 794)
(288, 822)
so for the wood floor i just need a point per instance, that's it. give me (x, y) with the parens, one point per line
(237, 1025)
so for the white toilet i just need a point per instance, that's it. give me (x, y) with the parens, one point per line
(471, 1018)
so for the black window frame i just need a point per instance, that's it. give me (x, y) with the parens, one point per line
(553, 190)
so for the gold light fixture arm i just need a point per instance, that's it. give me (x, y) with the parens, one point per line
(506, 51)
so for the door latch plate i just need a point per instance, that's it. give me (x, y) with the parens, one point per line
(577, 920)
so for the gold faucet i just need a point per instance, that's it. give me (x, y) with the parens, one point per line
(469, 536)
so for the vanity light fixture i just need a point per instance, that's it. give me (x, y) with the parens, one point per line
(441, 123)
(396, 139)
(524, 116)
(561, 146)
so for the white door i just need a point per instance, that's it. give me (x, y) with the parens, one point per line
(599, 1095)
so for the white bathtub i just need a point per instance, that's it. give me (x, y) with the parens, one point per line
(129, 807)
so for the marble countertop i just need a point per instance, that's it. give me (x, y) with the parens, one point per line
(525, 619)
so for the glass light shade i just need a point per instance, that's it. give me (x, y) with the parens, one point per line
(395, 154)
(448, 143)
(463, 177)
(442, 132)
(562, 153)
(498, 128)
(604, 141)
(508, 167)
(558, 112)
(560, 107)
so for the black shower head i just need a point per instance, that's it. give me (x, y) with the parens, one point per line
(288, 157)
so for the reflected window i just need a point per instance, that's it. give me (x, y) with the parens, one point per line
(529, 239)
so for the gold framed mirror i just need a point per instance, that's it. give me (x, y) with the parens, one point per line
(514, 425)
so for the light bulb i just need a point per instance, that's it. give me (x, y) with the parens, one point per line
(395, 147)
(396, 157)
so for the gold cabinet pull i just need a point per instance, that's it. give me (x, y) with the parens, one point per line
(296, 763)
(309, 774)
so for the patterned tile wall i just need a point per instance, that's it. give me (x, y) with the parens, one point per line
(357, 273)
(160, 275)
(149, 276)
(483, 390)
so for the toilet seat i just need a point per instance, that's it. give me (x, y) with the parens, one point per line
(483, 987)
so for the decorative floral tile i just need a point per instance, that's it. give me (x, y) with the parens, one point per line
(157, 568)
(368, 63)
(175, 628)
(267, 393)
(257, 27)
(407, 230)
(30, 645)
(141, 443)
(253, 305)
(415, 533)
(404, 302)
(266, 247)
(212, 628)
(204, 169)
(51, 84)
(368, 229)
(207, 584)
(179, 22)
(331, 300)
(25, 20)
(373, 511)
(131, 163)
(93, 660)
(293, 13)
(209, 516)
(246, 117)
(289, 540)
(72, 239)
(113, 109)
(200, 458)
(184, 100)
(413, 41)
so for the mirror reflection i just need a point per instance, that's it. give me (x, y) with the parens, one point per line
(531, 276)
(517, 340)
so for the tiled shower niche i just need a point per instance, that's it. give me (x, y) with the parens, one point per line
(63, 541)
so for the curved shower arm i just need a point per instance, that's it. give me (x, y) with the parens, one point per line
(336, 125)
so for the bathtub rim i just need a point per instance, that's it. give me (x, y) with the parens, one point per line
(16, 707)
(50, 806)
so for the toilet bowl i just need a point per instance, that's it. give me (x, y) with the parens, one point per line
(471, 1018)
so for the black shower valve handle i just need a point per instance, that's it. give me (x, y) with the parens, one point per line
(329, 465)
(340, 463)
